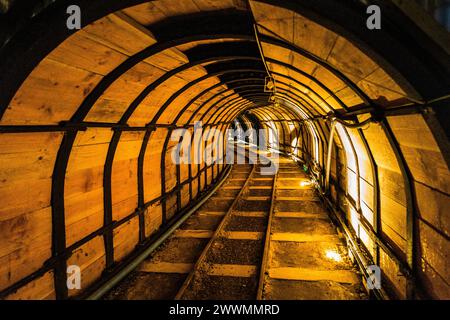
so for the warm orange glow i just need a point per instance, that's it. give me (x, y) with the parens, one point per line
(291, 128)
(305, 183)
(333, 255)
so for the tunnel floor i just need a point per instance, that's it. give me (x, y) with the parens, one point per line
(248, 241)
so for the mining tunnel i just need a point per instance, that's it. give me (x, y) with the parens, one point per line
(356, 120)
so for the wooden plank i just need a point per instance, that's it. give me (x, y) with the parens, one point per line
(50, 94)
(153, 219)
(260, 187)
(121, 33)
(259, 214)
(25, 245)
(126, 237)
(165, 267)
(84, 184)
(231, 188)
(223, 270)
(146, 13)
(380, 85)
(358, 67)
(211, 213)
(121, 93)
(303, 274)
(303, 237)
(287, 56)
(300, 215)
(91, 259)
(201, 234)
(175, 8)
(312, 199)
(254, 198)
(435, 211)
(242, 235)
(381, 149)
(221, 198)
(294, 188)
(39, 289)
(212, 5)
(152, 174)
(349, 97)
(83, 52)
(232, 270)
(323, 75)
(434, 250)
(156, 99)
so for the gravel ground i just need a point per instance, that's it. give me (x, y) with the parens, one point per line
(147, 286)
(240, 223)
(230, 251)
(222, 288)
(252, 205)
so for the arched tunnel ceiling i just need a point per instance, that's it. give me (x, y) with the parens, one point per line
(147, 53)
(144, 69)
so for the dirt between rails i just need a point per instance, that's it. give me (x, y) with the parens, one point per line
(205, 287)
(231, 251)
(251, 224)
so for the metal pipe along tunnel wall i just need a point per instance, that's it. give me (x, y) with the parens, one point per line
(87, 119)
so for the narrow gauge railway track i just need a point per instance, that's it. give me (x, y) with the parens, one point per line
(257, 237)
(304, 256)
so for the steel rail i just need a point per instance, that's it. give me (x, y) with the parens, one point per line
(213, 238)
(111, 283)
(266, 250)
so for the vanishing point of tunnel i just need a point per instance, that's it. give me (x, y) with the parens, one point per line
(224, 149)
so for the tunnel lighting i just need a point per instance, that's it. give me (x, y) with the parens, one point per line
(305, 183)
(291, 128)
(333, 255)
(295, 158)
(294, 142)
(270, 84)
